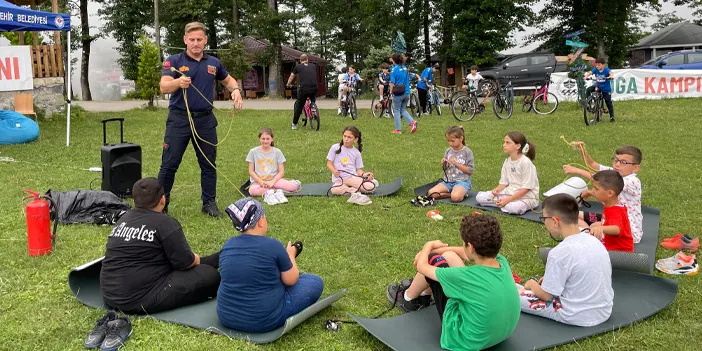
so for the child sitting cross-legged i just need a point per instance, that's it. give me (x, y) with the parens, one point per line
(576, 288)
(478, 304)
(614, 229)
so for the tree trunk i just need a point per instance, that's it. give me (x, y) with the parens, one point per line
(274, 71)
(85, 60)
(294, 25)
(427, 45)
(212, 30)
(600, 26)
(235, 19)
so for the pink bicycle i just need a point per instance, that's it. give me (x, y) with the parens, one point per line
(540, 100)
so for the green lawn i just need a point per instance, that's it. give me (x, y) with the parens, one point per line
(359, 248)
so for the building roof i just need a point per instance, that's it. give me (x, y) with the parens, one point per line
(252, 44)
(674, 35)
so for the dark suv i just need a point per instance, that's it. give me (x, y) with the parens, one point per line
(530, 70)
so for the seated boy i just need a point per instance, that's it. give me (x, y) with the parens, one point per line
(614, 227)
(383, 80)
(148, 265)
(261, 284)
(626, 162)
(472, 80)
(577, 286)
(478, 304)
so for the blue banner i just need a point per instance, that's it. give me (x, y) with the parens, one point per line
(16, 18)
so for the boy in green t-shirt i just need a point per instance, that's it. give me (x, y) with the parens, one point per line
(477, 303)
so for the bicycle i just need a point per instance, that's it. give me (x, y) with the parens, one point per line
(540, 99)
(503, 104)
(594, 105)
(414, 106)
(311, 113)
(348, 105)
(447, 94)
(468, 104)
(382, 107)
(433, 100)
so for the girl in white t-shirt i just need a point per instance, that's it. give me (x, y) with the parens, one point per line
(266, 168)
(518, 190)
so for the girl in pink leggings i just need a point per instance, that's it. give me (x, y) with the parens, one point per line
(266, 168)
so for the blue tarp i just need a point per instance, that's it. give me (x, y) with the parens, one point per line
(16, 18)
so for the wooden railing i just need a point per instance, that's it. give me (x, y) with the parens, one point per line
(47, 61)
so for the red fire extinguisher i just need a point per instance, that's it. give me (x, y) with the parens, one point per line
(39, 237)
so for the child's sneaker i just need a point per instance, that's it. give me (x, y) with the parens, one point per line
(678, 236)
(118, 331)
(280, 197)
(682, 243)
(680, 264)
(396, 295)
(97, 335)
(270, 198)
(360, 199)
(338, 112)
(413, 127)
(396, 131)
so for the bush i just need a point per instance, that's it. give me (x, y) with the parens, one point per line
(149, 70)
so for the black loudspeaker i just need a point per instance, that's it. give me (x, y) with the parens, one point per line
(121, 163)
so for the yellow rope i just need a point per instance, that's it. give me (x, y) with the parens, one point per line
(196, 136)
(581, 148)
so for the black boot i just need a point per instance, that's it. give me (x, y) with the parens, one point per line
(210, 209)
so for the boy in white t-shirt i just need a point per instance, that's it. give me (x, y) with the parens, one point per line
(626, 161)
(577, 286)
(340, 90)
(473, 79)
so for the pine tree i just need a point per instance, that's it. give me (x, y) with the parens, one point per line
(149, 70)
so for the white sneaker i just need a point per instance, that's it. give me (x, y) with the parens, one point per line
(363, 200)
(280, 196)
(352, 198)
(293, 126)
(270, 198)
(338, 113)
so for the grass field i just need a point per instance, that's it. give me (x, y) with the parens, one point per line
(360, 248)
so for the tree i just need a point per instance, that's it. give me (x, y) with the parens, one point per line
(149, 68)
(234, 57)
(666, 19)
(373, 61)
(126, 20)
(86, 40)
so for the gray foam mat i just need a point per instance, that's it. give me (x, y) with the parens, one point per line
(84, 282)
(636, 297)
(322, 189)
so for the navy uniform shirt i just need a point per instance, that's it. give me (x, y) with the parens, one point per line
(203, 74)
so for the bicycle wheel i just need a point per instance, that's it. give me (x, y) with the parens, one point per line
(454, 96)
(502, 106)
(344, 108)
(314, 117)
(352, 110)
(589, 111)
(437, 105)
(545, 103)
(377, 107)
(526, 103)
(414, 106)
(600, 109)
(464, 108)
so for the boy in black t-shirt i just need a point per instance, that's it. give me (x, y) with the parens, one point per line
(148, 265)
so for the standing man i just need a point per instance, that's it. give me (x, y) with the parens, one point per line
(307, 85)
(194, 67)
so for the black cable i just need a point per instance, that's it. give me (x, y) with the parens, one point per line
(91, 183)
(365, 180)
(333, 324)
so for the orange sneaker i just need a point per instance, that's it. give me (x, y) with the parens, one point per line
(682, 244)
(678, 236)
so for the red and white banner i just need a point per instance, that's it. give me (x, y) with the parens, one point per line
(16, 68)
(629, 84)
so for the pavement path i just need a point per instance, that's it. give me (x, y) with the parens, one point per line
(249, 104)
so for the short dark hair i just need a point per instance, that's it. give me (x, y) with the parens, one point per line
(147, 193)
(483, 232)
(436, 65)
(563, 206)
(397, 58)
(631, 150)
(610, 180)
(473, 67)
(384, 65)
(344, 69)
(601, 60)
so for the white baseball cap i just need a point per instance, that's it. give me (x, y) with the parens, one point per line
(573, 186)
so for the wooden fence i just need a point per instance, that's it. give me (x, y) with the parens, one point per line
(47, 61)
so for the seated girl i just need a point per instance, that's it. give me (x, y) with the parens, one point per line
(266, 168)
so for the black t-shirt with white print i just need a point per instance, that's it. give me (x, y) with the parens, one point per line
(143, 248)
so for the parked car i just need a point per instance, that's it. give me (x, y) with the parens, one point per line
(530, 70)
(675, 60)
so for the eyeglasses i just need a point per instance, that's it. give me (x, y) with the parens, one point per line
(543, 219)
(615, 160)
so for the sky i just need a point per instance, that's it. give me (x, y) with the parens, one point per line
(103, 55)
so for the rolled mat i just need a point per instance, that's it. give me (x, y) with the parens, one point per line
(636, 297)
(84, 282)
(651, 221)
(322, 189)
(627, 261)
